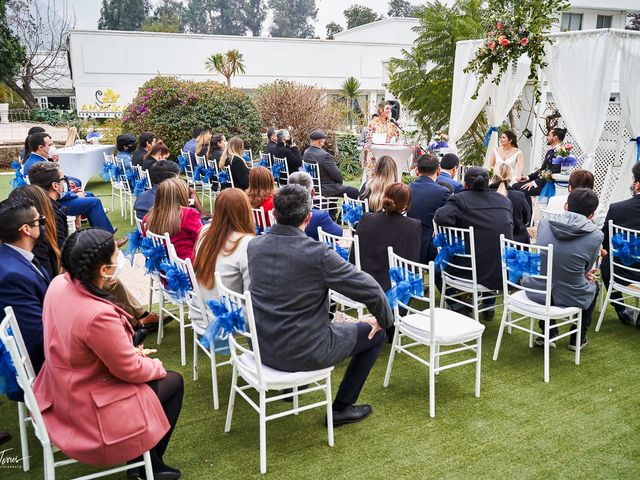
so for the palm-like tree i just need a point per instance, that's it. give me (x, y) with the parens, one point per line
(227, 64)
(350, 91)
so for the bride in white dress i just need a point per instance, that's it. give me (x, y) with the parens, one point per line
(509, 153)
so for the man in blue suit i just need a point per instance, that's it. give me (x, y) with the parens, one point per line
(24, 282)
(448, 170)
(427, 197)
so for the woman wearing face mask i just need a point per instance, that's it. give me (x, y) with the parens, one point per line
(92, 373)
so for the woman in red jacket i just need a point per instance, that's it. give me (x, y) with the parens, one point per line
(103, 400)
(172, 214)
(261, 191)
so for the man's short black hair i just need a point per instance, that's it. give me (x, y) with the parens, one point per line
(37, 139)
(583, 201)
(636, 172)
(14, 213)
(428, 164)
(197, 131)
(145, 138)
(271, 132)
(291, 205)
(449, 161)
(161, 171)
(43, 174)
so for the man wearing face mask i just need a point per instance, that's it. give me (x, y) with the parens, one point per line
(126, 145)
(24, 281)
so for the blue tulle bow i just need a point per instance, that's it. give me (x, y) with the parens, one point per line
(182, 162)
(487, 137)
(110, 171)
(223, 177)
(155, 255)
(8, 381)
(351, 213)
(259, 229)
(208, 174)
(565, 161)
(637, 140)
(446, 250)
(311, 170)
(342, 251)
(276, 170)
(226, 320)
(628, 251)
(548, 191)
(405, 284)
(139, 187)
(18, 180)
(134, 244)
(263, 163)
(178, 283)
(198, 172)
(521, 262)
(246, 157)
(132, 178)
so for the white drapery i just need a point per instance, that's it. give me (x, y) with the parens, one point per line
(580, 69)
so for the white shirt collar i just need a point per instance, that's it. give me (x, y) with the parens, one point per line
(26, 254)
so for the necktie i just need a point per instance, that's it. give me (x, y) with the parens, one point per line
(38, 267)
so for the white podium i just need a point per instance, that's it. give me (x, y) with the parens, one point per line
(401, 154)
(83, 161)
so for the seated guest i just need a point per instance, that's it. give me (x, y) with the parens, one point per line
(501, 182)
(222, 246)
(449, 171)
(285, 148)
(533, 184)
(158, 153)
(290, 277)
(190, 146)
(26, 150)
(172, 214)
(490, 214)
(319, 218)
(126, 145)
(24, 282)
(202, 144)
(146, 141)
(385, 173)
(93, 374)
(232, 157)
(261, 190)
(427, 197)
(330, 175)
(578, 179)
(576, 246)
(39, 146)
(218, 144)
(624, 214)
(272, 141)
(158, 173)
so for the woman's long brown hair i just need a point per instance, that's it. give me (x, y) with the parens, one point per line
(261, 185)
(235, 146)
(166, 214)
(232, 214)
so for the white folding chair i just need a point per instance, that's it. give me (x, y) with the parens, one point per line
(143, 175)
(116, 184)
(227, 169)
(313, 170)
(328, 204)
(622, 276)
(189, 173)
(248, 365)
(247, 156)
(461, 273)
(25, 376)
(517, 302)
(432, 327)
(261, 220)
(362, 205)
(282, 165)
(127, 198)
(272, 218)
(265, 160)
(343, 247)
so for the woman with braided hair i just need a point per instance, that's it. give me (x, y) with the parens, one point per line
(103, 400)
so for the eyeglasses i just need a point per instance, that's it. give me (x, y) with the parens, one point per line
(36, 222)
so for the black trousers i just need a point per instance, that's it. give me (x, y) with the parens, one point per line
(363, 357)
(587, 313)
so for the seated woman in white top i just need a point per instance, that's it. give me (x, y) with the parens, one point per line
(222, 246)
(509, 153)
(578, 179)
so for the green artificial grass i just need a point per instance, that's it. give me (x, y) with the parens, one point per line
(583, 424)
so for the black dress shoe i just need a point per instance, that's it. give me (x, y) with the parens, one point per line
(628, 317)
(488, 315)
(351, 414)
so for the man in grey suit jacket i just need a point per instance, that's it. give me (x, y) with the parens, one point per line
(291, 275)
(330, 175)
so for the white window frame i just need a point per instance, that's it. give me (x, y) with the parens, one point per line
(604, 19)
(568, 24)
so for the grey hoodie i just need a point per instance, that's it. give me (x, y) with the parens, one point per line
(576, 244)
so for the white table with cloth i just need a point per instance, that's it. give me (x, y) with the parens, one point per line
(83, 161)
(401, 154)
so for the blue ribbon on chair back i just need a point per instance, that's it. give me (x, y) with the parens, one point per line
(198, 172)
(132, 178)
(276, 170)
(405, 284)
(226, 320)
(637, 140)
(342, 251)
(182, 163)
(8, 380)
(134, 244)
(263, 163)
(311, 170)
(246, 157)
(487, 137)
(208, 174)
(351, 213)
(18, 180)
(223, 177)
(446, 250)
(178, 283)
(139, 187)
(520, 263)
(106, 173)
(155, 255)
(628, 251)
(548, 191)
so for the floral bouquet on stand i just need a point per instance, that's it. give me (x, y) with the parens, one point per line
(563, 162)
(438, 142)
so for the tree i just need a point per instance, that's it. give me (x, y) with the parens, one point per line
(168, 17)
(357, 15)
(634, 21)
(423, 78)
(123, 14)
(257, 12)
(228, 64)
(222, 17)
(292, 18)
(402, 8)
(350, 91)
(332, 29)
(36, 47)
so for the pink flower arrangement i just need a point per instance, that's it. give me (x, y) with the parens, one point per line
(491, 45)
(524, 41)
(503, 41)
(500, 25)
(568, 146)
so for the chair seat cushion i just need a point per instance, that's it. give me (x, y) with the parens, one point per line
(520, 300)
(451, 327)
(631, 289)
(343, 300)
(276, 379)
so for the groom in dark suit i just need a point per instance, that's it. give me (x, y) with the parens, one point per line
(533, 184)
(24, 282)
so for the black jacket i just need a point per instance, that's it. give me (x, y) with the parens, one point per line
(521, 213)
(43, 251)
(330, 175)
(239, 172)
(270, 148)
(138, 157)
(292, 154)
(546, 165)
(148, 162)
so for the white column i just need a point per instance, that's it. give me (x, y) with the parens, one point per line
(4, 113)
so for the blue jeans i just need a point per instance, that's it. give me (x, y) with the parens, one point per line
(91, 207)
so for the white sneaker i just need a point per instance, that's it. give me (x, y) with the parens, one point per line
(572, 347)
(540, 343)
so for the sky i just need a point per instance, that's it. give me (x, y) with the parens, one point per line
(87, 12)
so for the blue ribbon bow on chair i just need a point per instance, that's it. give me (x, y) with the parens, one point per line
(520, 263)
(246, 157)
(223, 177)
(155, 255)
(8, 381)
(134, 244)
(198, 172)
(447, 250)
(628, 251)
(226, 320)
(132, 178)
(140, 187)
(18, 180)
(263, 163)
(109, 171)
(208, 174)
(405, 285)
(351, 213)
(276, 170)
(342, 251)
(637, 140)
(310, 169)
(182, 163)
(178, 284)
(487, 137)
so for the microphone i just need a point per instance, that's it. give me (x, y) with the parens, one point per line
(393, 120)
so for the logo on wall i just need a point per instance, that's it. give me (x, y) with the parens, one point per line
(105, 105)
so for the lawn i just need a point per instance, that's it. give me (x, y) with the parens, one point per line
(584, 424)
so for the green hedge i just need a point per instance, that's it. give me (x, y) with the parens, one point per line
(170, 108)
(348, 155)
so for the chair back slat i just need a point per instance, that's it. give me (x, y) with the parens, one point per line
(313, 170)
(328, 204)
(284, 168)
(362, 204)
(350, 243)
(266, 157)
(462, 265)
(260, 219)
(247, 156)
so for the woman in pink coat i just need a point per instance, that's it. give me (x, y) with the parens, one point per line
(102, 399)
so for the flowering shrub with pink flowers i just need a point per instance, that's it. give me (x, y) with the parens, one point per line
(515, 28)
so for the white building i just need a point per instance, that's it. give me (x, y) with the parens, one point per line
(592, 14)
